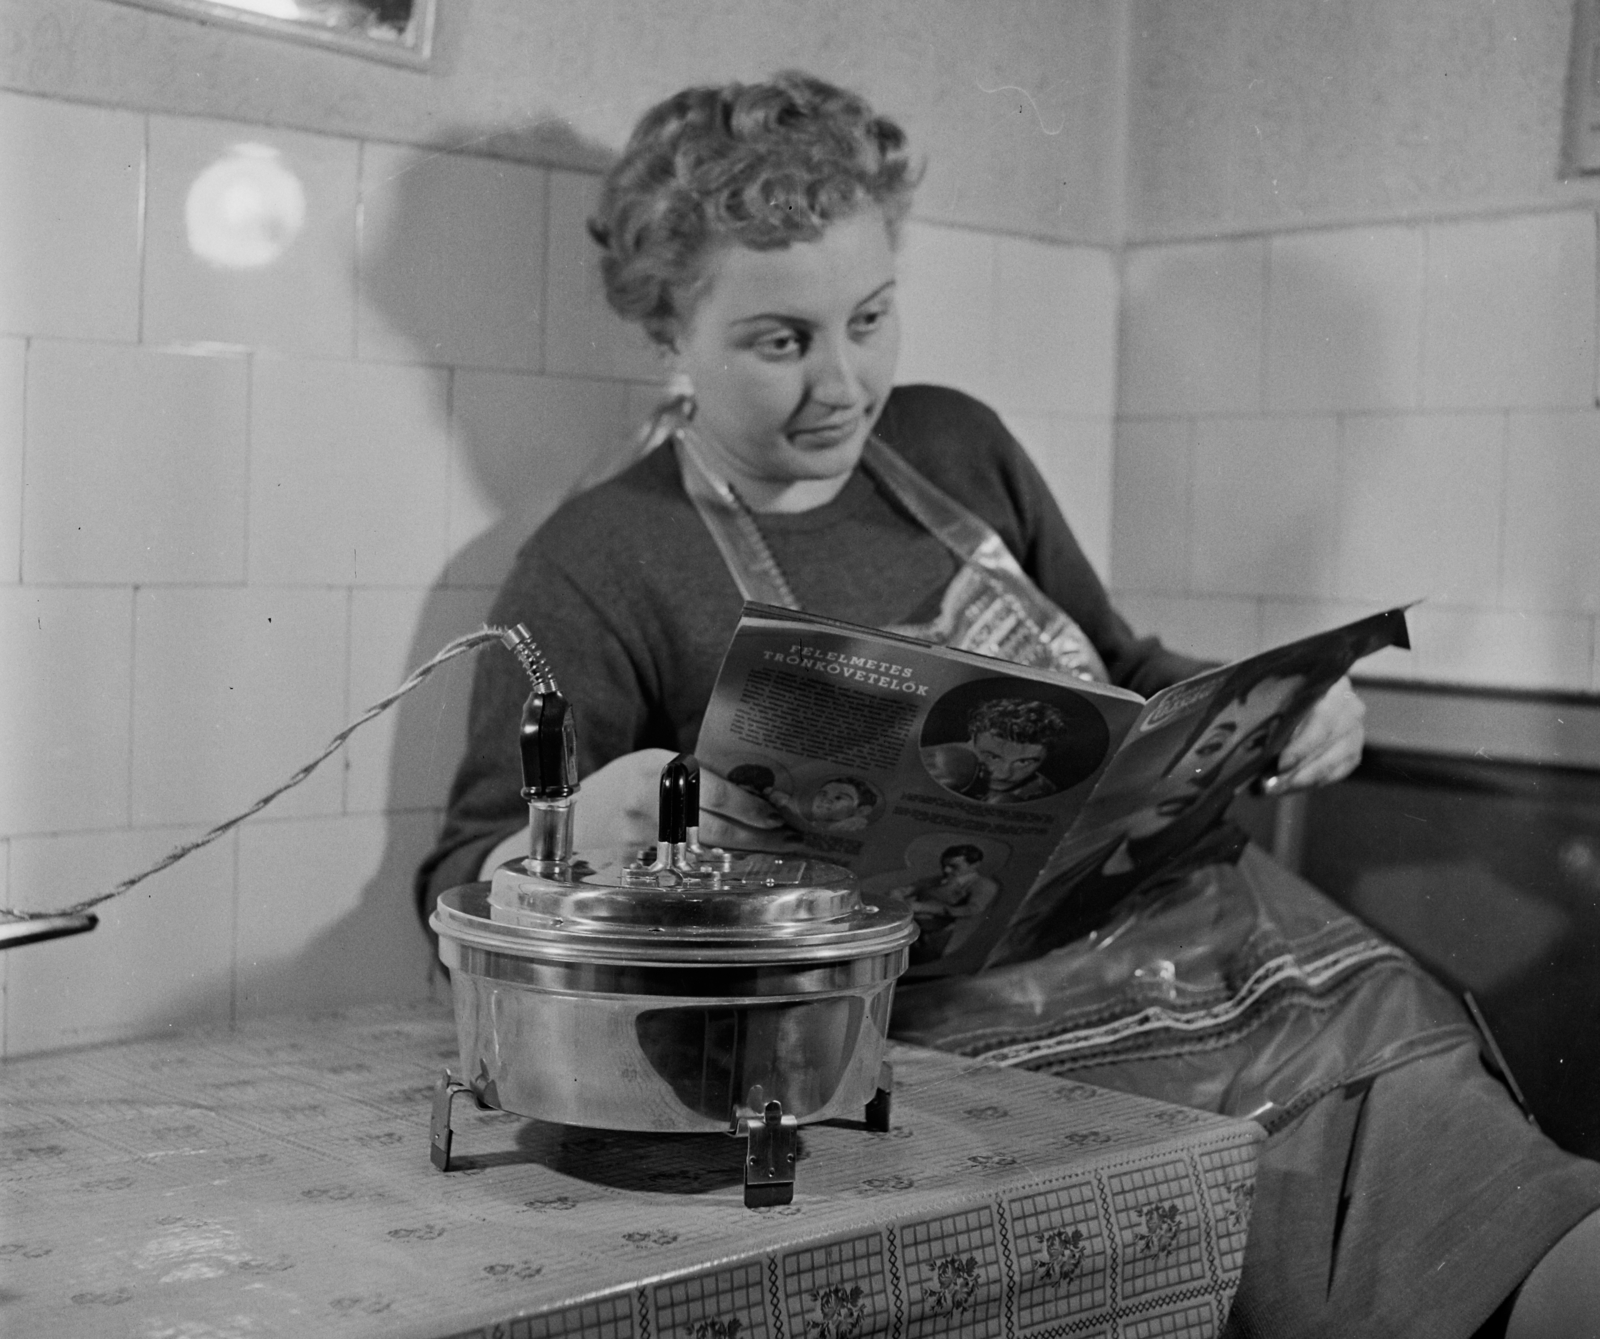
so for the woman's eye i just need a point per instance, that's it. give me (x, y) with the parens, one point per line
(864, 323)
(781, 344)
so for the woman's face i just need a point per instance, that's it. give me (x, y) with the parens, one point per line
(792, 353)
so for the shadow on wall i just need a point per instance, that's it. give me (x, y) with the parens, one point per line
(508, 470)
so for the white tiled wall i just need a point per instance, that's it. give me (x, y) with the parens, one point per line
(238, 505)
(1316, 424)
(1030, 328)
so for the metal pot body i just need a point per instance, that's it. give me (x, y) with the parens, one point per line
(668, 1062)
(627, 1032)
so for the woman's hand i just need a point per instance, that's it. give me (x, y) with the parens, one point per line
(1325, 747)
(618, 806)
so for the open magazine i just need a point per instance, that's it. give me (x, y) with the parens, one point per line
(1010, 807)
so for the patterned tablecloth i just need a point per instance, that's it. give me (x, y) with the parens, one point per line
(274, 1180)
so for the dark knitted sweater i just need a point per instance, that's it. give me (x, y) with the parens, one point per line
(624, 589)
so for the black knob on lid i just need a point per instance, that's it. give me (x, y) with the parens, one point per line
(680, 799)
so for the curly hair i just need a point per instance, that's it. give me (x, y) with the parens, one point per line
(756, 165)
(1017, 719)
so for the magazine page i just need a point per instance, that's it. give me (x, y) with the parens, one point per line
(940, 777)
(1195, 746)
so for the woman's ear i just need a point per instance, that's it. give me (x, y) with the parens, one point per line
(680, 394)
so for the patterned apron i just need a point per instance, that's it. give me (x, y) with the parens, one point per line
(991, 606)
(1225, 982)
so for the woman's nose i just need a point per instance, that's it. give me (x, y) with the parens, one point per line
(834, 379)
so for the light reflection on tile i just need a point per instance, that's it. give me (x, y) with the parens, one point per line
(302, 300)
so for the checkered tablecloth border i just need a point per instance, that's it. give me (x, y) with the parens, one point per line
(909, 1302)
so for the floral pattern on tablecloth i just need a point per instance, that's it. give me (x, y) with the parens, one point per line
(276, 1179)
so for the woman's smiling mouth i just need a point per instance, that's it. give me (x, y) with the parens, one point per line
(826, 434)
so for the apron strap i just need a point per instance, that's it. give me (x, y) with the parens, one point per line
(733, 528)
(991, 606)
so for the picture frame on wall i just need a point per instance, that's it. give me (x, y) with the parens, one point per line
(1581, 137)
(399, 32)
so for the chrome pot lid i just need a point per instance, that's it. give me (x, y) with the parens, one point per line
(746, 907)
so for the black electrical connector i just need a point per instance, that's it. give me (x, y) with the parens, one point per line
(680, 800)
(549, 748)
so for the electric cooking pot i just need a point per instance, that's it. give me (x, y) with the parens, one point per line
(670, 989)
(606, 998)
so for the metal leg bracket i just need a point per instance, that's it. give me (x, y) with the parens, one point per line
(878, 1110)
(440, 1137)
(772, 1143)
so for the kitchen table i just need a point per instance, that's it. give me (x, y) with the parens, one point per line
(274, 1179)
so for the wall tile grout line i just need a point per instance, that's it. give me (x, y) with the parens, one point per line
(133, 696)
(249, 459)
(349, 695)
(233, 955)
(1499, 211)
(22, 469)
(1502, 543)
(1263, 351)
(141, 224)
(547, 179)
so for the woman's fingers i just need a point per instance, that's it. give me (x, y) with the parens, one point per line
(735, 836)
(619, 804)
(1327, 745)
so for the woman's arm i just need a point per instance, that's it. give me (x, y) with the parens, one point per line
(628, 598)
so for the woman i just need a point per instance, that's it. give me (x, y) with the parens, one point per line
(751, 230)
